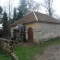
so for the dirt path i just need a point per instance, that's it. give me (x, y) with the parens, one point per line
(51, 53)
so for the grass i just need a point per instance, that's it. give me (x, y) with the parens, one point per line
(4, 55)
(28, 52)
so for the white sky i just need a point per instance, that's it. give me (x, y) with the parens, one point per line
(56, 5)
(5, 4)
(0, 26)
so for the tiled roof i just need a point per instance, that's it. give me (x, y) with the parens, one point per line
(36, 17)
(46, 18)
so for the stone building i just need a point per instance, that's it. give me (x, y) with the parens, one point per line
(38, 27)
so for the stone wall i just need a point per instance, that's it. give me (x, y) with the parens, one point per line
(43, 31)
(46, 31)
(5, 44)
(8, 46)
(34, 26)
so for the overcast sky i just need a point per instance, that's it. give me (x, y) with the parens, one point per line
(56, 5)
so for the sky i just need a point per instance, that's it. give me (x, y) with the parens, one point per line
(14, 3)
(56, 5)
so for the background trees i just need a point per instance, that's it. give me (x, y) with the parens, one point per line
(6, 29)
(32, 5)
(48, 7)
(22, 10)
(14, 15)
(25, 6)
(1, 9)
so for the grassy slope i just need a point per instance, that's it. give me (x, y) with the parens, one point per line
(27, 52)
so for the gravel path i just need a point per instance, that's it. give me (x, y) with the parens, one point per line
(51, 53)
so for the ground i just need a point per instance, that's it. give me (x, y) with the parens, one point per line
(49, 50)
(51, 53)
(4, 55)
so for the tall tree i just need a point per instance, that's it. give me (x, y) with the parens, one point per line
(1, 9)
(1, 14)
(26, 6)
(19, 14)
(14, 15)
(48, 6)
(23, 6)
(22, 9)
(32, 5)
(6, 29)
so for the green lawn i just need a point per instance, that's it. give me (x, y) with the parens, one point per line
(4, 55)
(28, 52)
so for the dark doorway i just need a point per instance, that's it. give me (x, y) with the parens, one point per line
(19, 34)
(30, 34)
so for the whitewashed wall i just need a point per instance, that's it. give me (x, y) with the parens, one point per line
(43, 31)
(46, 31)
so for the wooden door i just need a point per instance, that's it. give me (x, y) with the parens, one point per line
(30, 34)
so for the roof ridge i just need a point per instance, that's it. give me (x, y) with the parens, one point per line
(35, 16)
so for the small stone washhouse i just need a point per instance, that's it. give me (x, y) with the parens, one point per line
(35, 27)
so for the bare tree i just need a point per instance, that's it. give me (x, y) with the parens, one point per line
(48, 7)
(26, 6)
(33, 5)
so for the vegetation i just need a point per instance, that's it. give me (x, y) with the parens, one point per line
(24, 7)
(48, 7)
(28, 52)
(4, 55)
(14, 15)
(1, 9)
(27, 6)
(6, 29)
